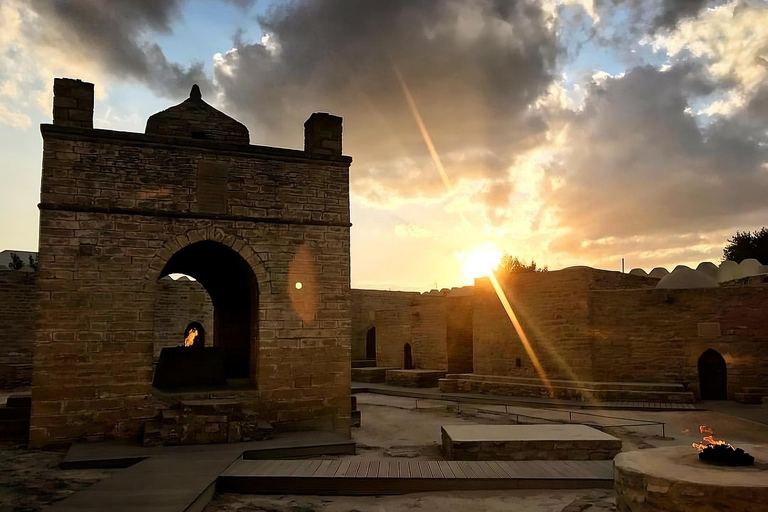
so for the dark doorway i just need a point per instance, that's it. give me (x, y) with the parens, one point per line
(233, 289)
(407, 357)
(370, 343)
(713, 376)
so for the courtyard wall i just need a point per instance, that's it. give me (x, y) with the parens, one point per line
(18, 310)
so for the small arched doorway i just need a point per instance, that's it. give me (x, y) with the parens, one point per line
(370, 344)
(713, 376)
(407, 357)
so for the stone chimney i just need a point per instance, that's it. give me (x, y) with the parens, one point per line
(322, 135)
(72, 103)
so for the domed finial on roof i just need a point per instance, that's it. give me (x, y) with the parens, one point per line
(195, 94)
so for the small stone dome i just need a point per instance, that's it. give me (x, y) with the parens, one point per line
(685, 278)
(195, 119)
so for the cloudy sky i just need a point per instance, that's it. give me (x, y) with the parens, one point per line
(572, 132)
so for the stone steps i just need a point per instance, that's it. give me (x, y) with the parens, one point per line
(371, 374)
(363, 363)
(414, 378)
(203, 422)
(635, 386)
(575, 391)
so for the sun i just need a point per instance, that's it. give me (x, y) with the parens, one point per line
(480, 261)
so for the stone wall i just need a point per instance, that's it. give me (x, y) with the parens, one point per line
(553, 311)
(591, 325)
(437, 325)
(365, 304)
(18, 303)
(659, 335)
(116, 208)
(179, 303)
(459, 343)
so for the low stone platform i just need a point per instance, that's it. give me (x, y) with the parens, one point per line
(527, 442)
(673, 479)
(363, 363)
(205, 421)
(414, 378)
(660, 392)
(371, 374)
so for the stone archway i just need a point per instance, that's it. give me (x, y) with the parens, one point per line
(370, 343)
(196, 254)
(713, 376)
(234, 292)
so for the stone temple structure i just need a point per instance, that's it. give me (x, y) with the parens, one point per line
(264, 230)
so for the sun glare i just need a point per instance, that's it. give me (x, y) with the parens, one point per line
(480, 262)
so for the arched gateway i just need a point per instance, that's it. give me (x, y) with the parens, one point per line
(713, 376)
(264, 230)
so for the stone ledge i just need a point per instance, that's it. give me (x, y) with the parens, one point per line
(414, 378)
(53, 131)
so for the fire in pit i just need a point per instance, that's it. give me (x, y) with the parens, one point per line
(717, 451)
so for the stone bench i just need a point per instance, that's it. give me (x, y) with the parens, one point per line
(414, 378)
(527, 442)
(371, 374)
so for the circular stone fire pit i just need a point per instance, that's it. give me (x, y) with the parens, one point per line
(674, 479)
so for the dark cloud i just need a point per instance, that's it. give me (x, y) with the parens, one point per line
(672, 11)
(638, 164)
(114, 33)
(473, 69)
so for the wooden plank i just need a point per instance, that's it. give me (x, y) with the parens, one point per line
(500, 470)
(456, 468)
(416, 470)
(394, 469)
(478, 469)
(362, 471)
(512, 468)
(490, 470)
(557, 468)
(466, 467)
(342, 469)
(445, 468)
(405, 469)
(373, 470)
(352, 470)
(263, 468)
(435, 468)
(310, 469)
(301, 465)
(425, 471)
(283, 468)
(320, 471)
(331, 469)
(384, 469)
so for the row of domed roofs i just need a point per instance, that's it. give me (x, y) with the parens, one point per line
(706, 274)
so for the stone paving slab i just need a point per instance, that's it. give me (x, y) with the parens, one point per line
(498, 433)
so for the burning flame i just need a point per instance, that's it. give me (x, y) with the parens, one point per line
(709, 439)
(190, 339)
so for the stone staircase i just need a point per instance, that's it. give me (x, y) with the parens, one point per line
(567, 389)
(14, 418)
(204, 422)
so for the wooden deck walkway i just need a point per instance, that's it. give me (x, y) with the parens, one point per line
(370, 477)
